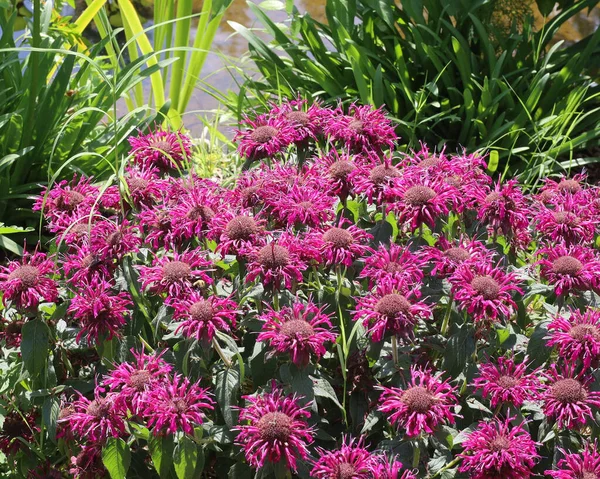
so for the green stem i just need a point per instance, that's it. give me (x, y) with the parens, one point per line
(344, 346)
(221, 353)
(416, 454)
(395, 350)
(447, 466)
(447, 314)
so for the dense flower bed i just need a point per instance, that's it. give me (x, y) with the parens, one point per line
(339, 311)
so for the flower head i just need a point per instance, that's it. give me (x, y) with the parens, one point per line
(568, 223)
(88, 463)
(304, 206)
(573, 268)
(423, 405)
(276, 262)
(96, 420)
(177, 405)
(568, 399)
(264, 137)
(385, 468)
(131, 381)
(301, 331)
(394, 262)
(577, 337)
(350, 461)
(448, 256)
(191, 215)
(390, 311)
(101, 313)
(202, 317)
(236, 232)
(109, 240)
(273, 428)
(306, 121)
(498, 449)
(584, 464)
(143, 185)
(484, 291)
(176, 274)
(375, 181)
(17, 426)
(28, 282)
(341, 246)
(161, 149)
(507, 382)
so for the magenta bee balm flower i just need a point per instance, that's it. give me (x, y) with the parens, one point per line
(396, 263)
(28, 282)
(577, 337)
(507, 382)
(300, 331)
(176, 405)
(161, 149)
(350, 461)
(426, 402)
(447, 256)
(264, 137)
(391, 311)
(341, 246)
(98, 419)
(273, 428)
(582, 465)
(498, 449)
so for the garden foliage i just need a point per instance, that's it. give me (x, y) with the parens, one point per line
(448, 72)
(341, 310)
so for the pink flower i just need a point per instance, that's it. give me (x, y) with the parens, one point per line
(236, 232)
(363, 129)
(448, 256)
(385, 468)
(498, 449)
(28, 282)
(567, 223)
(201, 317)
(420, 200)
(101, 313)
(176, 275)
(341, 246)
(16, 427)
(568, 399)
(300, 331)
(111, 240)
(96, 420)
(335, 169)
(484, 291)
(396, 263)
(375, 181)
(191, 214)
(276, 262)
(306, 122)
(143, 185)
(273, 428)
(156, 222)
(88, 463)
(177, 405)
(505, 211)
(351, 461)
(390, 311)
(573, 268)
(130, 382)
(83, 265)
(304, 206)
(264, 137)
(427, 402)
(584, 464)
(507, 382)
(161, 149)
(577, 337)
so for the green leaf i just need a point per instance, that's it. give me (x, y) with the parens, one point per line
(322, 388)
(460, 346)
(161, 451)
(34, 346)
(116, 457)
(493, 162)
(226, 387)
(185, 458)
(537, 350)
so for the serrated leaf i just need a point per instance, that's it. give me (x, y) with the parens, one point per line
(116, 457)
(322, 388)
(537, 349)
(161, 451)
(34, 345)
(226, 388)
(185, 458)
(460, 346)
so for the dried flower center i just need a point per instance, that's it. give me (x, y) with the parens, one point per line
(241, 228)
(275, 426)
(27, 274)
(381, 173)
(114, 238)
(297, 327)
(458, 255)
(298, 117)
(582, 331)
(357, 125)
(14, 426)
(306, 205)
(486, 286)
(418, 399)
(499, 444)
(454, 180)
(273, 256)
(139, 379)
(392, 304)
(136, 183)
(180, 405)
(570, 186)
(263, 134)
(493, 196)
(568, 391)
(507, 382)
(69, 200)
(341, 169)
(345, 471)
(250, 195)
(202, 311)
(163, 146)
(176, 271)
(566, 218)
(65, 412)
(98, 408)
(589, 475)
(567, 265)
(419, 195)
(340, 238)
(393, 267)
(200, 212)
(429, 162)
(14, 327)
